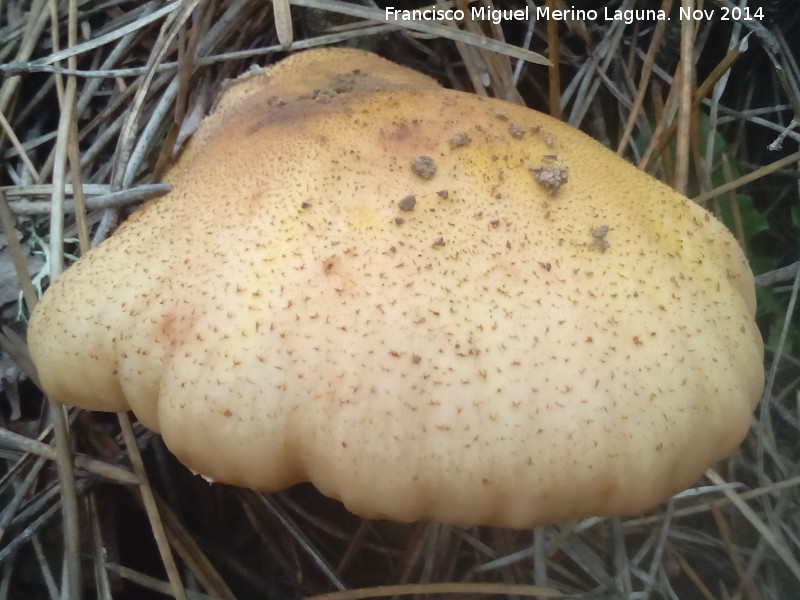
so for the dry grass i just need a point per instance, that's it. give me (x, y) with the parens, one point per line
(95, 95)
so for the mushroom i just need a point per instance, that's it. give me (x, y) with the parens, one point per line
(513, 376)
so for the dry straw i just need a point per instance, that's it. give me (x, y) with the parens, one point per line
(95, 99)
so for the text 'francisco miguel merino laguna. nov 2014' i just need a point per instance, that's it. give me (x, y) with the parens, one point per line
(497, 16)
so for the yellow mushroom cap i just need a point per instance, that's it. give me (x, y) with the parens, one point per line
(429, 304)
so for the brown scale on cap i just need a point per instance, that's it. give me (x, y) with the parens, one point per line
(514, 375)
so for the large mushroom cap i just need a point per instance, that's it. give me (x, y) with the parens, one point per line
(429, 304)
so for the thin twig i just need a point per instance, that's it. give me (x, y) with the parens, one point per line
(644, 79)
(771, 536)
(93, 466)
(488, 589)
(133, 195)
(283, 22)
(151, 583)
(151, 508)
(112, 36)
(429, 27)
(787, 273)
(745, 179)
